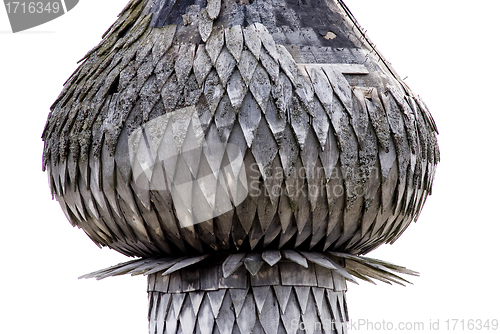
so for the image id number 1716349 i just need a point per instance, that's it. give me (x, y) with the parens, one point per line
(471, 324)
(18, 7)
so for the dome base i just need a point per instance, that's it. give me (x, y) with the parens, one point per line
(281, 299)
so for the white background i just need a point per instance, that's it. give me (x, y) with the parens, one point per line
(449, 51)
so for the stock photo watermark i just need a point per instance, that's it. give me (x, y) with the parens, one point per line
(170, 153)
(25, 15)
(299, 182)
(472, 325)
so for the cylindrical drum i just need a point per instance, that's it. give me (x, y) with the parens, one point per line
(283, 299)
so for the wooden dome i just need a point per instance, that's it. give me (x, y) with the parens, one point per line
(284, 108)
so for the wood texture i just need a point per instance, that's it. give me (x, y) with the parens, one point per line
(339, 153)
(343, 264)
(263, 308)
(249, 152)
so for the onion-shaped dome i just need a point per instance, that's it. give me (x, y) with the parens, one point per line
(218, 126)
